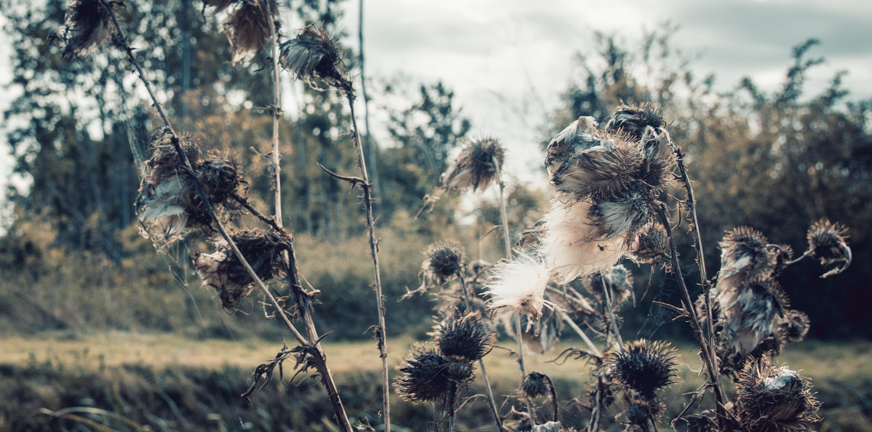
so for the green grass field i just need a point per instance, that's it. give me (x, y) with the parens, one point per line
(173, 383)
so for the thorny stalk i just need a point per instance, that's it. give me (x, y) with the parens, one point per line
(300, 296)
(366, 186)
(503, 215)
(705, 350)
(700, 256)
(490, 393)
(277, 115)
(597, 409)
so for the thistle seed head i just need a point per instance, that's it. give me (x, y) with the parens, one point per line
(520, 285)
(476, 166)
(640, 412)
(754, 315)
(248, 27)
(826, 241)
(618, 280)
(651, 246)
(426, 376)
(578, 136)
(444, 261)
(793, 326)
(314, 54)
(644, 367)
(572, 246)
(627, 215)
(632, 120)
(774, 399)
(87, 26)
(534, 385)
(468, 337)
(220, 177)
(744, 255)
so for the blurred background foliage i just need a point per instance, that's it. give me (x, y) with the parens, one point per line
(72, 257)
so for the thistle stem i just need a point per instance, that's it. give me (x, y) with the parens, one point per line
(521, 363)
(373, 251)
(277, 115)
(503, 215)
(613, 325)
(700, 255)
(705, 350)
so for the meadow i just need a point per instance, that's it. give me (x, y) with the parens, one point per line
(172, 383)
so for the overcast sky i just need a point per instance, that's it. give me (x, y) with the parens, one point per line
(508, 60)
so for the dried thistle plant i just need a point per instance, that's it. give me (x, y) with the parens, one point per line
(644, 367)
(606, 192)
(826, 242)
(476, 166)
(314, 54)
(651, 246)
(87, 26)
(444, 262)
(249, 26)
(467, 337)
(169, 204)
(774, 399)
(632, 120)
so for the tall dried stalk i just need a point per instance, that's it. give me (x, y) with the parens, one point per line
(300, 296)
(366, 186)
(685, 311)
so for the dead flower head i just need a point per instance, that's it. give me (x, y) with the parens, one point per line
(826, 241)
(476, 166)
(753, 316)
(519, 285)
(467, 337)
(774, 399)
(444, 261)
(640, 413)
(651, 246)
(644, 367)
(168, 202)
(427, 375)
(793, 326)
(248, 26)
(631, 120)
(224, 271)
(534, 385)
(314, 54)
(618, 280)
(87, 26)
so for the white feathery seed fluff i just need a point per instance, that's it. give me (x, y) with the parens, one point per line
(571, 246)
(163, 210)
(519, 284)
(752, 318)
